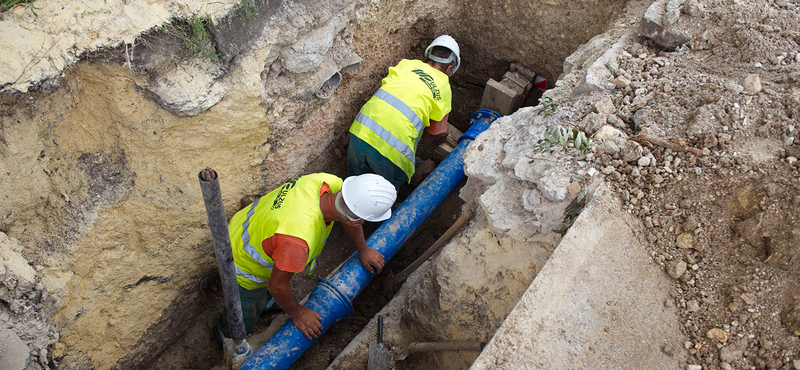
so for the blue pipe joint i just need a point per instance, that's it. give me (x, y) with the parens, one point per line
(288, 343)
(479, 122)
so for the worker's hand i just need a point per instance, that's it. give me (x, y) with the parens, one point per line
(308, 322)
(371, 259)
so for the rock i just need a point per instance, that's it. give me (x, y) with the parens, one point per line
(717, 334)
(592, 123)
(621, 81)
(673, 11)
(732, 352)
(643, 162)
(734, 87)
(14, 353)
(685, 241)
(615, 121)
(604, 106)
(694, 367)
(676, 268)
(693, 306)
(791, 160)
(751, 83)
(652, 30)
(725, 366)
(694, 8)
(748, 298)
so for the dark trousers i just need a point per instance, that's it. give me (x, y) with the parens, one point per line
(363, 158)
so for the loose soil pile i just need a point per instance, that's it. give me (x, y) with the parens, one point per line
(723, 224)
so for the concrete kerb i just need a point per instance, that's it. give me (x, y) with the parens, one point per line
(599, 303)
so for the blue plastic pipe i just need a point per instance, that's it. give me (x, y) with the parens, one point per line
(332, 298)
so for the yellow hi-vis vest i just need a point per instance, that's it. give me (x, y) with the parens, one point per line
(292, 209)
(413, 94)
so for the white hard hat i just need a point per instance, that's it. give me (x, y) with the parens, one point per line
(369, 196)
(447, 42)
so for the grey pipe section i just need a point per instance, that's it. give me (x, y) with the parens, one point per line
(217, 221)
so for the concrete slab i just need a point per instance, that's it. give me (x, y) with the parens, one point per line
(498, 96)
(598, 303)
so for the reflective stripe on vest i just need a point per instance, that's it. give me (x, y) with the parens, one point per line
(405, 110)
(251, 277)
(251, 251)
(385, 135)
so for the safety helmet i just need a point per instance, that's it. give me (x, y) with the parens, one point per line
(369, 196)
(447, 42)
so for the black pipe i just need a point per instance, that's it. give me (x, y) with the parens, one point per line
(222, 247)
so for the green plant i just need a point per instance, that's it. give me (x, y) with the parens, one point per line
(8, 4)
(548, 107)
(193, 37)
(563, 135)
(248, 9)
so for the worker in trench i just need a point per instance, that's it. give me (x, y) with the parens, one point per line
(414, 100)
(283, 233)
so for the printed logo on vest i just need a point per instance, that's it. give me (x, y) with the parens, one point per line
(282, 194)
(428, 81)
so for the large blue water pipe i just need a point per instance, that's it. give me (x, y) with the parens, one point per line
(332, 298)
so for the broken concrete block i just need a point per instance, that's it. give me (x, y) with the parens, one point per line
(499, 97)
(652, 28)
(667, 39)
(522, 71)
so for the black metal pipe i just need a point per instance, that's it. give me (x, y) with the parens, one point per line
(217, 220)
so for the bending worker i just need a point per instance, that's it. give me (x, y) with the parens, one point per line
(283, 233)
(414, 96)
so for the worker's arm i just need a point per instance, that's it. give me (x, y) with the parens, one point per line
(436, 133)
(305, 319)
(370, 258)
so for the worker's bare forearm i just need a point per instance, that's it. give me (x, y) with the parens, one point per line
(356, 233)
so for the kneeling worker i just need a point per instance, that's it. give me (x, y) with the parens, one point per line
(414, 101)
(283, 232)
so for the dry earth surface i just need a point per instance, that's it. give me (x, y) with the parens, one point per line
(724, 223)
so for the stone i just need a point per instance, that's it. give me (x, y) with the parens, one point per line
(693, 306)
(643, 162)
(694, 367)
(734, 87)
(718, 335)
(621, 81)
(694, 8)
(604, 106)
(667, 39)
(673, 11)
(14, 353)
(732, 352)
(685, 241)
(615, 121)
(676, 268)
(751, 83)
(748, 298)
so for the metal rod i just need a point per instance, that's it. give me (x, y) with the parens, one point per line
(217, 221)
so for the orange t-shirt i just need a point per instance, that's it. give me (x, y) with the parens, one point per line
(290, 253)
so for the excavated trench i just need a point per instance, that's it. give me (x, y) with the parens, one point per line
(110, 213)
